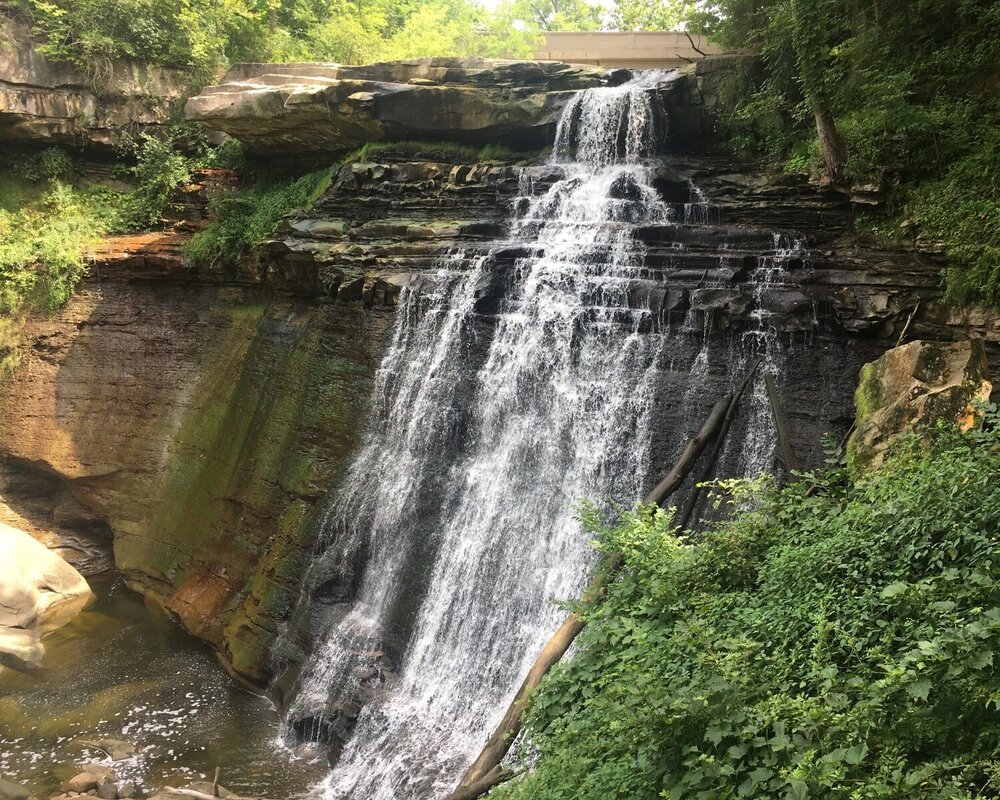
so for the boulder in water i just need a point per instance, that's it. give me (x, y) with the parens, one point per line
(14, 791)
(39, 592)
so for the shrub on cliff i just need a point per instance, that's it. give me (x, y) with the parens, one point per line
(45, 232)
(833, 644)
(244, 218)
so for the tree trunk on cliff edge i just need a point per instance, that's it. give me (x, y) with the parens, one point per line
(833, 145)
(485, 771)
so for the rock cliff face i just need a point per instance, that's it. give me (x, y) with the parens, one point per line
(916, 383)
(323, 108)
(200, 423)
(193, 420)
(43, 103)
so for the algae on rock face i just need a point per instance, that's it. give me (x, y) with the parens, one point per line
(202, 423)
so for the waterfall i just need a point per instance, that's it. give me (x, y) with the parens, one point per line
(456, 525)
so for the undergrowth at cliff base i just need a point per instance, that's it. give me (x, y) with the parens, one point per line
(243, 218)
(838, 645)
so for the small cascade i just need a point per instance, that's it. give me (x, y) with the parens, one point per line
(456, 526)
(762, 338)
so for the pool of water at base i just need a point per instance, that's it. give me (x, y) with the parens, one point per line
(124, 670)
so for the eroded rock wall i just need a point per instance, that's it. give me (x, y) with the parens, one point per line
(194, 419)
(201, 423)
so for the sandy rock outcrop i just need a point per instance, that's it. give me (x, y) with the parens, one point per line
(321, 108)
(39, 592)
(43, 102)
(919, 382)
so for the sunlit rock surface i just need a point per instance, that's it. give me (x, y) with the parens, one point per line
(918, 383)
(309, 108)
(39, 592)
(45, 103)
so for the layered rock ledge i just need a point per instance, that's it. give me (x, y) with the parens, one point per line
(322, 108)
(45, 103)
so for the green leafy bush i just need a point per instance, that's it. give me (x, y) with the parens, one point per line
(159, 166)
(834, 645)
(43, 244)
(53, 163)
(243, 218)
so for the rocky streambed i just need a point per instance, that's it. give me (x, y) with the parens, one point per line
(126, 696)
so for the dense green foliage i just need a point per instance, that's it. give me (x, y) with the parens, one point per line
(833, 645)
(46, 226)
(243, 218)
(912, 88)
(50, 217)
(205, 35)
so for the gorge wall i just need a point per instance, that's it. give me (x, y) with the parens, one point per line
(193, 421)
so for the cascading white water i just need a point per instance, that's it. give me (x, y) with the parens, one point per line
(559, 409)
(761, 338)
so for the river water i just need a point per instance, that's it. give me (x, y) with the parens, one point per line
(125, 671)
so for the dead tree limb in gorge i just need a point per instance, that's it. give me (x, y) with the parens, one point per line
(906, 327)
(486, 772)
(708, 464)
(786, 453)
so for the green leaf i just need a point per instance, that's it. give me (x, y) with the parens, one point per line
(894, 590)
(856, 754)
(919, 689)
(797, 790)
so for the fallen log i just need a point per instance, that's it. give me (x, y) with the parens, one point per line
(786, 453)
(493, 778)
(708, 464)
(711, 427)
(503, 737)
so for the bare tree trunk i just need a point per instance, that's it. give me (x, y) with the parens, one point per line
(684, 515)
(488, 761)
(833, 145)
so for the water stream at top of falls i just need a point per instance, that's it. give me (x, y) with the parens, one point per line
(456, 526)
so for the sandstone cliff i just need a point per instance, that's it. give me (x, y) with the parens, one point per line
(45, 103)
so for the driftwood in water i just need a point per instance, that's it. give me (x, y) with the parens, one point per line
(477, 779)
(786, 452)
(708, 464)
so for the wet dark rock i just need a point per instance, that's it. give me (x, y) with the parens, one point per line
(115, 749)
